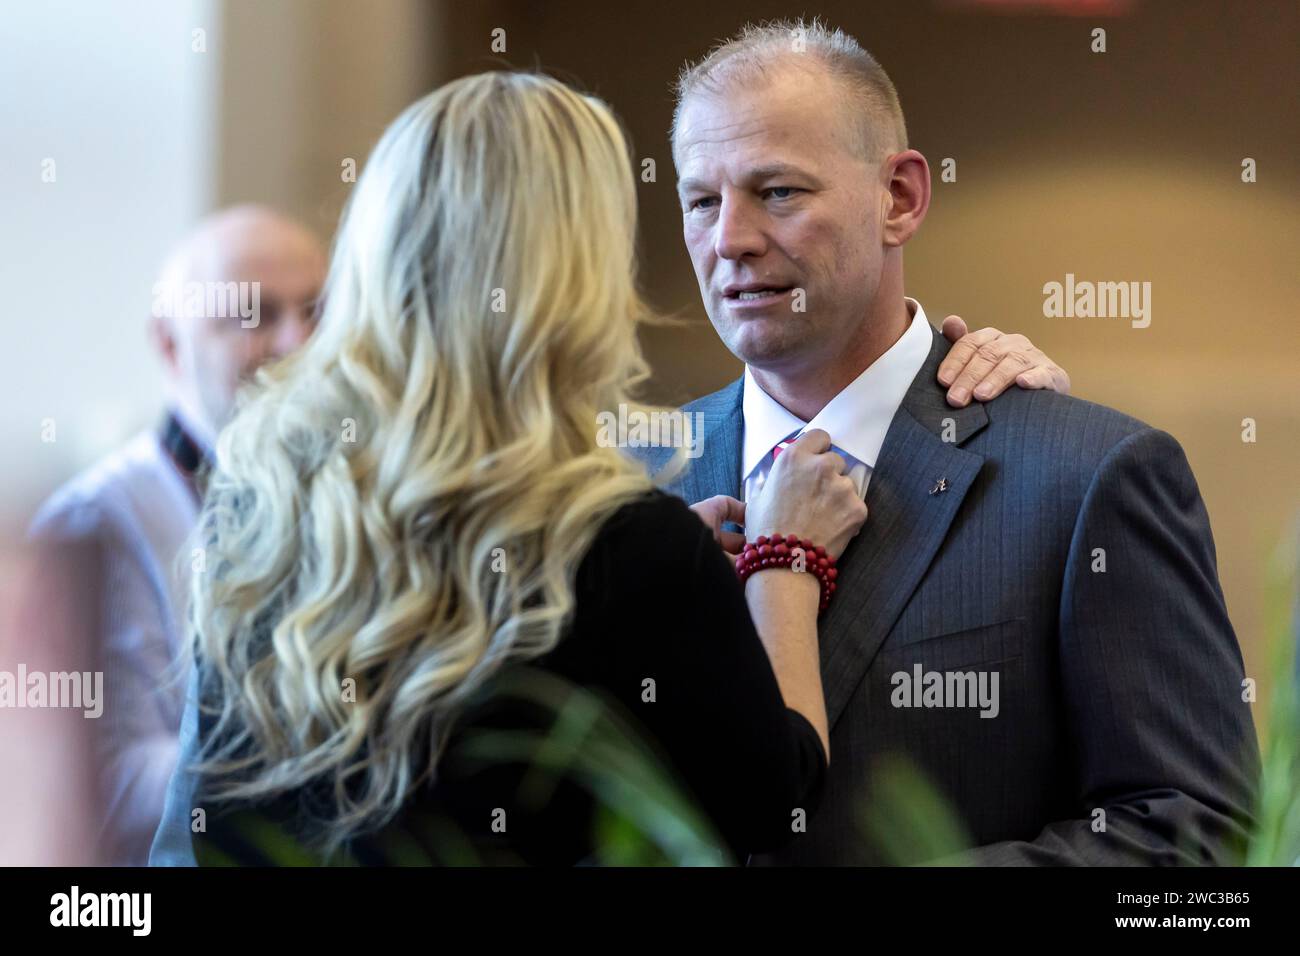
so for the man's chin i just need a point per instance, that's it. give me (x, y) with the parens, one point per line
(770, 356)
(766, 343)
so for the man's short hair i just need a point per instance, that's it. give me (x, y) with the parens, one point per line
(757, 50)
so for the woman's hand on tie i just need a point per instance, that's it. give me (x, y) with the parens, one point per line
(808, 494)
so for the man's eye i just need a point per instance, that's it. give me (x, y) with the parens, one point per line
(785, 191)
(700, 203)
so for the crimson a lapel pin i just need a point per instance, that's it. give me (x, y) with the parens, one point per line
(940, 485)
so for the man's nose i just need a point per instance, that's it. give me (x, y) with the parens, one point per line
(739, 232)
(293, 329)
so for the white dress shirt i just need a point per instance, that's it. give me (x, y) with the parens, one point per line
(856, 419)
(138, 510)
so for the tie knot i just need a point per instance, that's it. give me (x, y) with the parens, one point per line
(776, 452)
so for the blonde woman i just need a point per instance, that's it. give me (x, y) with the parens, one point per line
(416, 504)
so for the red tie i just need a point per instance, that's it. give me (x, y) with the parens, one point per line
(776, 452)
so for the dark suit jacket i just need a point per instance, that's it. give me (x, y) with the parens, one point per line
(1119, 689)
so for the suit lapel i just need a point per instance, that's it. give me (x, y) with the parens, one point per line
(717, 470)
(907, 521)
(906, 524)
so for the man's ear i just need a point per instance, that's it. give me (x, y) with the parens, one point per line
(163, 338)
(907, 198)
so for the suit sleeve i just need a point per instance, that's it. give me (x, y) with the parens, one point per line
(1152, 677)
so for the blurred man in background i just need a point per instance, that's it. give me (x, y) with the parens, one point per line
(238, 292)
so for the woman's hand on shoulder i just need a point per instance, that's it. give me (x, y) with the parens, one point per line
(985, 363)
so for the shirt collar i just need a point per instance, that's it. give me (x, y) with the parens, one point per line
(194, 427)
(189, 457)
(857, 418)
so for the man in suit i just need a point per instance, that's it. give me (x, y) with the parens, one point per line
(115, 532)
(1031, 616)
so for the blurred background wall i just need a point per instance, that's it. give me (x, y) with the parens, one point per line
(1117, 166)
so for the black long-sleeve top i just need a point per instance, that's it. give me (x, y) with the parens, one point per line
(661, 634)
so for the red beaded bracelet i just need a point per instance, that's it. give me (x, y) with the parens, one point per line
(784, 551)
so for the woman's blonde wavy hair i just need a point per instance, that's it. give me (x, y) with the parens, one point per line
(405, 501)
